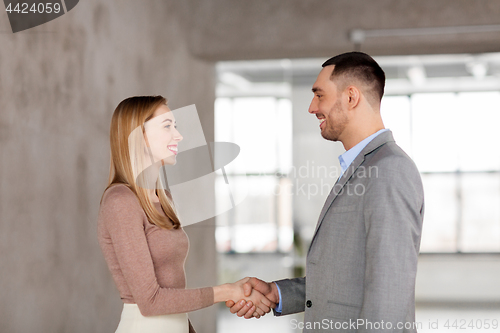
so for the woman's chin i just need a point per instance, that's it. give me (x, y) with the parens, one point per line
(171, 160)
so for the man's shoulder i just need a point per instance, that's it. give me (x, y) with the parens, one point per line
(390, 156)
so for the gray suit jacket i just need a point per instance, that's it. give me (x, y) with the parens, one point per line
(362, 262)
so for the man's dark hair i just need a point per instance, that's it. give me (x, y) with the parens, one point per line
(360, 66)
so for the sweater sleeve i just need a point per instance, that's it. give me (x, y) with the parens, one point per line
(123, 218)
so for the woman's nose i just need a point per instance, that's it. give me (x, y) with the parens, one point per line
(177, 136)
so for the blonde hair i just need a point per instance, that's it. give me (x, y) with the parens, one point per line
(127, 157)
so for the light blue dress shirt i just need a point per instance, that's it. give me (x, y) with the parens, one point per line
(345, 160)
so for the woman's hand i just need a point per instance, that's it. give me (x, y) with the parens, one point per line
(262, 304)
(259, 304)
(267, 289)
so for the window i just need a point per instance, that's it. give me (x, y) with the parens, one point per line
(262, 127)
(453, 138)
(444, 111)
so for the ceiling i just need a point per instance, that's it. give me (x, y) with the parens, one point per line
(276, 29)
(405, 74)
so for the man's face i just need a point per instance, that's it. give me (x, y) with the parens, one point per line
(327, 106)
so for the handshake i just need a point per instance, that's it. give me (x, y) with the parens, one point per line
(256, 297)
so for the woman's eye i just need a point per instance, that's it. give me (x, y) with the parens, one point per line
(168, 126)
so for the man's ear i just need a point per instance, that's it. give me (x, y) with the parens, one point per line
(353, 97)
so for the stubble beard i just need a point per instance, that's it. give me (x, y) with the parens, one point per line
(335, 123)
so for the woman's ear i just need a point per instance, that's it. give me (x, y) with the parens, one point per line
(146, 138)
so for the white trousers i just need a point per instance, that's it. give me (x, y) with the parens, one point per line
(132, 321)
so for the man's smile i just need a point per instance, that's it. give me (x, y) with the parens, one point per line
(321, 119)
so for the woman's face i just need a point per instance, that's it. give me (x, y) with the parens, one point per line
(161, 136)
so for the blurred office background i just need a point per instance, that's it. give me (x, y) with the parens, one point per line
(249, 68)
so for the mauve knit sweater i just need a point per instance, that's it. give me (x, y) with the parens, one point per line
(146, 261)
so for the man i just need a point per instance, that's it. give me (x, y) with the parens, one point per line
(362, 262)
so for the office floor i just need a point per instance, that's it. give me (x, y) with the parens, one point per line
(227, 322)
(429, 319)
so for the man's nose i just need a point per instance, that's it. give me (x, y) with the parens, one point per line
(313, 107)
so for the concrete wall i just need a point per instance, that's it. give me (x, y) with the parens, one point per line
(59, 84)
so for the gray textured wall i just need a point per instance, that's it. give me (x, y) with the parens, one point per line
(59, 84)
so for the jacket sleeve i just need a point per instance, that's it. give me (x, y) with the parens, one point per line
(293, 295)
(393, 223)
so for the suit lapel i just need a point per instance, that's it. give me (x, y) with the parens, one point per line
(337, 188)
(378, 141)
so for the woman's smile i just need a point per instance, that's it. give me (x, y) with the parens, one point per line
(172, 148)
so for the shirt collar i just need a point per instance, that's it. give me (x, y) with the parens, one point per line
(349, 156)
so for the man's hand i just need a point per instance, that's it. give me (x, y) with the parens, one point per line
(242, 308)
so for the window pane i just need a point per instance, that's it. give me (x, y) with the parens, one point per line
(395, 111)
(481, 213)
(223, 120)
(435, 132)
(285, 225)
(480, 117)
(440, 215)
(251, 226)
(284, 135)
(255, 131)
(262, 128)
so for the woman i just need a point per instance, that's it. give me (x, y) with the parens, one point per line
(139, 232)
